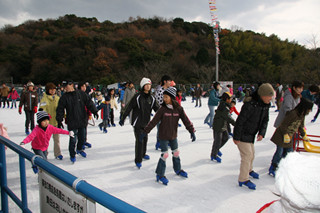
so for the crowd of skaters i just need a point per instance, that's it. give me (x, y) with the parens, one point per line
(75, 105)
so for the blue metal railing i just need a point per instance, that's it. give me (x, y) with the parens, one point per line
(95, 194)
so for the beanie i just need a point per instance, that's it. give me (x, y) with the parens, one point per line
(171, 91)
(266, 90)
(145, 81)
(42, 115)
(30, 84)
(298, 182)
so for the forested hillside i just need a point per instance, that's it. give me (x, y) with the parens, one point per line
(78, 48)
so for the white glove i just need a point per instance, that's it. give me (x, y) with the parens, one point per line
(71, 134)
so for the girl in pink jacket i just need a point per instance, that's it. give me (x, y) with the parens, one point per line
(14, 96)
(41, 134)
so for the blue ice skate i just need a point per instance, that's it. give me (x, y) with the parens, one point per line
(162, 179)
(249, 184)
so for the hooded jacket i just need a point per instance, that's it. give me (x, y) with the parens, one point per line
(253, 119)
(141, 105)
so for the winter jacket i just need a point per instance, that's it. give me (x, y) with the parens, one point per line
(289, 103)
(141, 105)
(75, 104)
(198, 92)
(4, 91)
(113, 103)
(179, 99)
(213, 98)
(14, 95)
(169, 122)
(307, 94)
(40, 138)
(29, 100)
(253, 119)
(159, 94)
(291, 123)
(128, 94)
(222, 117)
(49, 103)
(105, 110)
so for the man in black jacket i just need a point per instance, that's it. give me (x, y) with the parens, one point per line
(75, 102)
(253, 119)
(141, 105)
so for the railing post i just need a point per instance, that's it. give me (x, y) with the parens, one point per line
(23, 182)
(3, 179)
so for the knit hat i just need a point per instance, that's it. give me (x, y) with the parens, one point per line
(171, 91)
(298, 182)
(266, 90)
(42, 115)
(30, 84)
(145, 81)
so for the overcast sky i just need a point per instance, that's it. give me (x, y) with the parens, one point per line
(297, 20)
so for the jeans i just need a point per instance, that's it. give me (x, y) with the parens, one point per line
(78, 140)
(279, 154)
(210, 116)
(14, 102)
(161, 167)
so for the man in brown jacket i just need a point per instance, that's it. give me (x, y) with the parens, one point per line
(4, 94)
(29, 100)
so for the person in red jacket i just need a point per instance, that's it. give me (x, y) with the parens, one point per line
(41, 134)
(13, 94)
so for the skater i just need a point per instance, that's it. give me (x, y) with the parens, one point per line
(128, 94)
(113, 106)
(291, 99)
(75, 102)
(311, 92)
(292, 122)
(4, 91)
(164, 84)
(13, 94)
(169, 114)
(141, 106)
(29, 101)
(253, 119)
(317, 102)
(40, 136)
(105, 114)
(213, 101)
(49, 103)
(220, 126)
(198, 93)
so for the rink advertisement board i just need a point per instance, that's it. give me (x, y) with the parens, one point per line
(55, 196)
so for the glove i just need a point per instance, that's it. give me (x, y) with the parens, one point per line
(306, 138)
(96, 116)
(141, 136)
(121, 123)
(35, 109)
(20, 110)
(286, 138)
(71, 134)
(60, 125)
(193, 136)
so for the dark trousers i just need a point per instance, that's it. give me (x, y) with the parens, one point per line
(316, 115)
(141, 146)
(4, 100)
(161, 167)
(220, 139)
(104, 123)
(43, 154)
(198, 99)
(29, 119)
(77, 141)
(111, 118)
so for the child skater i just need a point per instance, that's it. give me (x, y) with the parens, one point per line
(41, 134)
(221, 121)
(113, 105)
(293, 121)
(105, 113)
(13, 94)
(169, 114)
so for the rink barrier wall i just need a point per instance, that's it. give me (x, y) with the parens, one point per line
(79, 185)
